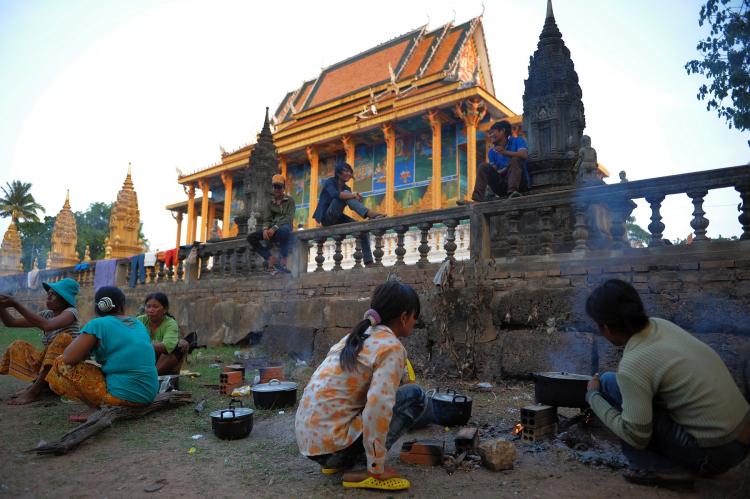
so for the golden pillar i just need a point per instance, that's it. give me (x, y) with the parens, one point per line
(226, 222)
(471, 114)
(348, 144)
(436, 124)
(282, 165)
(178, 219)
(190, 238)
(204, 187)
(64, 238)
(389, 132)
(312, 157)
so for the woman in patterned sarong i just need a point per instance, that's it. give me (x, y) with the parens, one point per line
(121, 346)
(59, 324)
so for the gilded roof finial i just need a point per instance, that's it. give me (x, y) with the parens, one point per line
(67, 200)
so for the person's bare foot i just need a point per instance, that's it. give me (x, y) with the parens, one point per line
(79, 418)
(25, 398)
(19, 393)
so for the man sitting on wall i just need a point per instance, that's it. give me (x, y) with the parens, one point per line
(506, 169)
(672, 401)
(277, 228)
(335, 196)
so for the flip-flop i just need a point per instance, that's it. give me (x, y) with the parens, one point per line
(329, 471)
(78, 418)
(375, 483)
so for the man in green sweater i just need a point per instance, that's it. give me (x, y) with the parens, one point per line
(277, 228)
(672, 401)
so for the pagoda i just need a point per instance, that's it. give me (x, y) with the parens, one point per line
(553, 115)
(124, 223)
(10, 251)
(64, 238)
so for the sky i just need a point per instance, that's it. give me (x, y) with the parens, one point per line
(88, 86)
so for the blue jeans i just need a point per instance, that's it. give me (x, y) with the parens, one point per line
(137, 269)
(282, 238)
(335, 215)
(671, 445)
(409, 407)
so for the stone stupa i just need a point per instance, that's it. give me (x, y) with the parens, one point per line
(64, 238)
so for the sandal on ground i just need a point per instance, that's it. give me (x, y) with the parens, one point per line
(377, 484)
(330, 471)
(78, 418)
(514, 194)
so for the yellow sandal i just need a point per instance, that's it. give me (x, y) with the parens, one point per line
(329, 471)
(375, 483)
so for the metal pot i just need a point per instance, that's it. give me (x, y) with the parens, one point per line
(275, 394)
(561, 389)
(232, 423)
(449, 408)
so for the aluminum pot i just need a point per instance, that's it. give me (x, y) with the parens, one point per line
(232, 423)
(449, 408)
(561, 389)
(275, 394)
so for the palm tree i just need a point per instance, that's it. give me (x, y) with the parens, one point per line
(18, 203)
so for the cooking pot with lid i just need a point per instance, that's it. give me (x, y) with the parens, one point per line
(449, 408)
(561, 389)
(232, 423)
(275, 394)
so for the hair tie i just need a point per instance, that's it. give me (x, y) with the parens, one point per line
(373, 316)
(105, 304)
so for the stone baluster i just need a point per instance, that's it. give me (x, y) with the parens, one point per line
(424, 246)
(217, 268)
(319, 258)
(168, 270)
(204, 256)
(699, 222)
(150, 275)
(240, 255)
(450, 239)
(744, 217)
(620, 212)
(581, 230)
(545, 236)
(514, 239)
(252, 260)
(179, 265)
(358, 255)
(400, 250)
(228, 256)
(656, 227)
(378, 253)
(337, 255)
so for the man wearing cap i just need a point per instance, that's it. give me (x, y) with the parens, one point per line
(59, 323)
(277, 228)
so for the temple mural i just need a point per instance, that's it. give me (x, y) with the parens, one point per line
(298, 186)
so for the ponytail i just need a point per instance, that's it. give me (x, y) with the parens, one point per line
(389, 301)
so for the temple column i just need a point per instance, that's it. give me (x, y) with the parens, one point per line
(204, 187)
(190, 214)
(471, 117)
(312, 157)
(211, 218)
(282, 165)
(226, 220)
(436, 124)
(389, 132)
(348, 143)
(178, 219)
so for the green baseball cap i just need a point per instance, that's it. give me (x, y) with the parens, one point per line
(66, 288)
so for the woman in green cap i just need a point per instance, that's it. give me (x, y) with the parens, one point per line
(59, 323)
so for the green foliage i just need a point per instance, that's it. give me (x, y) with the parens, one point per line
(35, 242)
(93, 228)
(726, 60)
(18, 203)
(636, 232)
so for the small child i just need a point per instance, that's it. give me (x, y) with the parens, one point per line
(353, 407)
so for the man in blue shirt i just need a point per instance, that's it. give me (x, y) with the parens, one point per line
(506, 167)
(335, 196)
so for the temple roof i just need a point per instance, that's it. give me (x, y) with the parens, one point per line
(417, 54)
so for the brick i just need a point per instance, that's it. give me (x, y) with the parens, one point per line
(743, 274)
(718, 275)
(532, 274)
(553, 273)
(517, 275)
(573, 271)
(639, 278)
(641, 286)
(617, 268)
(717, 264)
(499, 275)
(557, 282)
(689, 266)
(640, 268)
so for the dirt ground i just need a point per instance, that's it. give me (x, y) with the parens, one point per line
(131, 455)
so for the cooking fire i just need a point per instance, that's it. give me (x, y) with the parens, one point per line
(517, 429)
